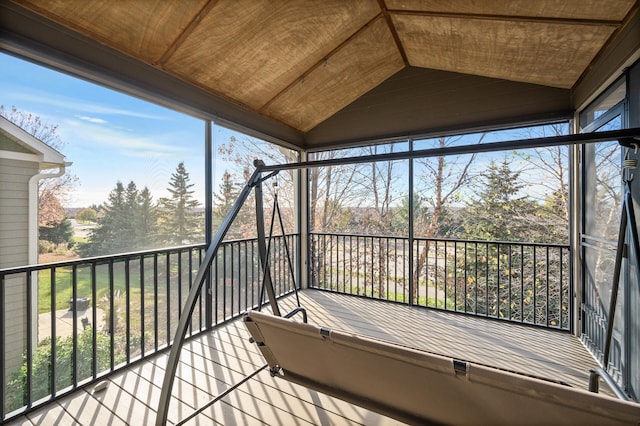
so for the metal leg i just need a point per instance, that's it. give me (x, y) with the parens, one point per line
(262, 247)
(614, 287)
(627, 221)
(185, 319)
(594, 383)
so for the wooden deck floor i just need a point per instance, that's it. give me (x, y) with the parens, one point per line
(212, 363)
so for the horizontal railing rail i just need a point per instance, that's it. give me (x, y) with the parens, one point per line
(515, 281)
(69, 324)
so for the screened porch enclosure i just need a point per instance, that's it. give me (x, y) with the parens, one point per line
(350, 264)
(406, 135)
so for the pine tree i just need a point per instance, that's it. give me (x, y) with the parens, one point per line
(224, 198)
(106, 237)
(499, 212)
(180, 221)
(128, 222)
(244, 225)
(58, 233)
(146, 220)
(226, 195)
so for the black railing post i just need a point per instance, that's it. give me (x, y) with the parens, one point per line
(561, 316)
(208, 219)
(94, 323)
(179, 260)
(156, 337)
(411, 232)
(111, 319)
(142, 313)
(2, 344)
(74, 318)
(53, 331)
(127, 296)
(167, 280)
(29, 359)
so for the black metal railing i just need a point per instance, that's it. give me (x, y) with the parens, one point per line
(69, 324)
(521, 282)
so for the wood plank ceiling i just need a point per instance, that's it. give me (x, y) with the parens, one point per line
(301, 61)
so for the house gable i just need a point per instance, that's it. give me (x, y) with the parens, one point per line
(17, 144)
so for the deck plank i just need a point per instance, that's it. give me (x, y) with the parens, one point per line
(213, 362)
(87, 410)
(22, 421)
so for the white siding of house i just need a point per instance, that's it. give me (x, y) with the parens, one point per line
(14, 251)
(14, 211)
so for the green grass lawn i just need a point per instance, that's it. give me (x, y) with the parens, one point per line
(64, 290)
(64, 279)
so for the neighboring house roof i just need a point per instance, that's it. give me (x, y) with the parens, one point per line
(17, 144)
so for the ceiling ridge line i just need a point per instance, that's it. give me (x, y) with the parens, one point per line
(511, 18)
(318, 64)
(394, 32)
(191, 26)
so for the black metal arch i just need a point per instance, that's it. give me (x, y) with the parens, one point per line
(626, 137)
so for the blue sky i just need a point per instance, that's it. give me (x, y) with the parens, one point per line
(114, 137)
(108, 136)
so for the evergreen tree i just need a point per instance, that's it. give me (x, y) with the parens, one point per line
(113, 231)
(127, 222)
(400, 219)
(499, 212)
(225, 197)
(146, 221)
(106, 237)
(180, 221)
(244, 224)
(142, 221)
(58, 233)
(131, 197)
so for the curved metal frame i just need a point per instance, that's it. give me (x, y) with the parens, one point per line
(189, 305)
(625, 136)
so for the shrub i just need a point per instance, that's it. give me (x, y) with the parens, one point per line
(17, 391)
(45, 246)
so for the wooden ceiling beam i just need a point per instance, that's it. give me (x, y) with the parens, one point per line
(510, 18)
(320, 63)
(570, 10)
(394, 32)
(186, 32)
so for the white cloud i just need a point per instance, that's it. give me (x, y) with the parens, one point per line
(76, 105)
(92, 119)
(82, 133)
